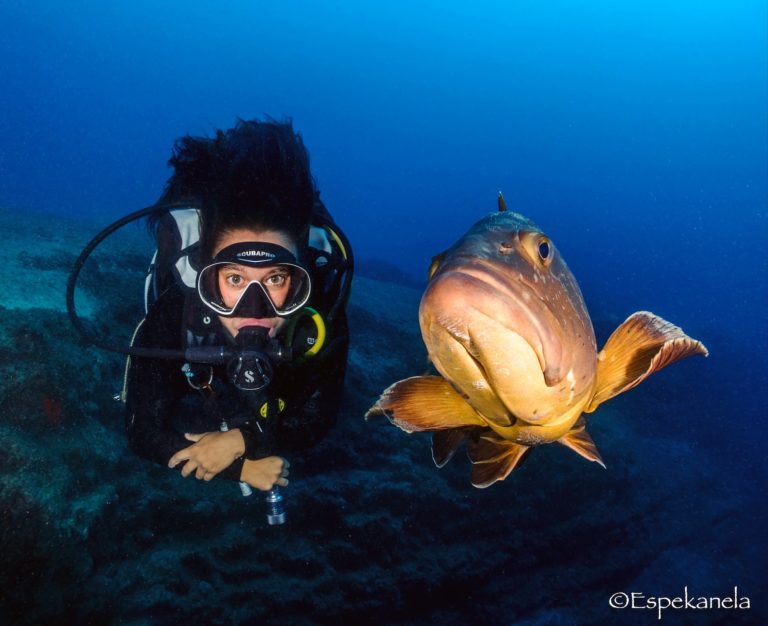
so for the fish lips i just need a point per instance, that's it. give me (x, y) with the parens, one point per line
(510, 302)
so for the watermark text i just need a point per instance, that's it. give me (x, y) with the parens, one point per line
(685, 601)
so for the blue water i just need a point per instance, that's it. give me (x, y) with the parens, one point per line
(634, 133)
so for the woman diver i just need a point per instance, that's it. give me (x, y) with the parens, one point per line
(268, 251)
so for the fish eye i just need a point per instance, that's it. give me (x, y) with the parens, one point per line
(538, 248)
(544, 250)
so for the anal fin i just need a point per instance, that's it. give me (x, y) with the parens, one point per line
(578, 440)
(424, 403)
(494, 459)
(642, 345)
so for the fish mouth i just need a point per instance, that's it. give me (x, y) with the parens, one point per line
(480, 292)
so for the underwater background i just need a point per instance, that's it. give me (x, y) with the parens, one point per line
(633, 133)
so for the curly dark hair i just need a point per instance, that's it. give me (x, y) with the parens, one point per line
(255, 176)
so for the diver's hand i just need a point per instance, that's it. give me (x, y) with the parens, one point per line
(265, 473)
(211, 453)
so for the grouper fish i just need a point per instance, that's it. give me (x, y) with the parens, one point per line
(505, 325)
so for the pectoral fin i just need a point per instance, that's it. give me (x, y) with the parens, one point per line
(642, 345)
(578, 440)
(424, 403)
(493, 459)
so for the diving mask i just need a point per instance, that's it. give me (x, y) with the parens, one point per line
(277, 293)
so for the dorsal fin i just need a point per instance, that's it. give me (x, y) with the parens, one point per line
(436, 261)
(502, 204)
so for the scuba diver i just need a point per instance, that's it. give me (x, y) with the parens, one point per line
(242, 354)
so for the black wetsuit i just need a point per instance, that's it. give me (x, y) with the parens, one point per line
(162, 406)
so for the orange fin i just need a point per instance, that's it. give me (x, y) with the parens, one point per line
(578, 440)
(493, 459)
(642, 345)
(424, 403)
(445, 443)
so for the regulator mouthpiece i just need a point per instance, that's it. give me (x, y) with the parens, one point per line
(251, 369)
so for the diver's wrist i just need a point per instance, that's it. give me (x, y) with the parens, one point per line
(253, 443)
(239, 441)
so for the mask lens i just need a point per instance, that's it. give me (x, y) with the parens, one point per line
(278, 292)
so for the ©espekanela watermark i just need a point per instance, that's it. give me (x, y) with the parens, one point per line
(686, 601)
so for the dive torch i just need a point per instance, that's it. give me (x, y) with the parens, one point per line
(274, 499)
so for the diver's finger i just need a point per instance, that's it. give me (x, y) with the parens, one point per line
(285, 473)
(208, 476)
(189, 467)
(194, 436)
(200, 473)
(283, 482)
(181, 455)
